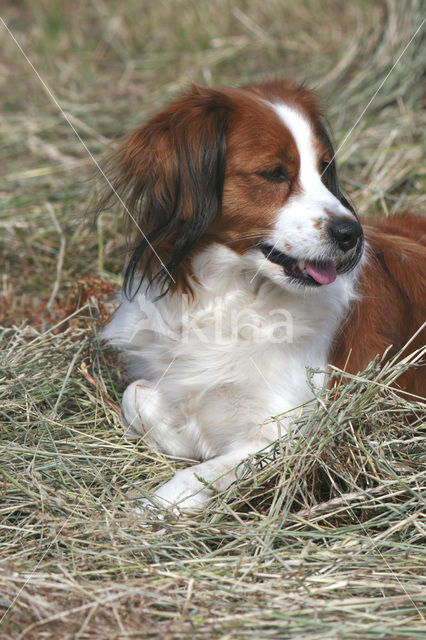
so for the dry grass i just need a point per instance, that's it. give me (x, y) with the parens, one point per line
(322, 538)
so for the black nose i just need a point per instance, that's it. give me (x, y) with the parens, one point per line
(345, 232)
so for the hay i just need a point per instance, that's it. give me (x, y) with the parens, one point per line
(323, 537)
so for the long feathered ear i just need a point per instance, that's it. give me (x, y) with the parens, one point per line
(170, 175)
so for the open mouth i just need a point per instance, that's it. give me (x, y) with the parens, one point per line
(308, 272)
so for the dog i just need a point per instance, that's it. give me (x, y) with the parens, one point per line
(248, 269)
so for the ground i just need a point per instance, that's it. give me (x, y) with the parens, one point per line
(322, 539)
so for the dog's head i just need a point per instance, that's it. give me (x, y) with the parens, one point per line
(251, 168)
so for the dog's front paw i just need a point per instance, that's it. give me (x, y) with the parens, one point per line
(140, 409)
(182, 493)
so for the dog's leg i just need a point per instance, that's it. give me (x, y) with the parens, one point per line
(147, 414)
(193, 487)
(141, 409)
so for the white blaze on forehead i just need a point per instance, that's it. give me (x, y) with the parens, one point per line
(313, 190)
(297, 220)
(302, 134)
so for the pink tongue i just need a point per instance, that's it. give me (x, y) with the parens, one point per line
(324, 273)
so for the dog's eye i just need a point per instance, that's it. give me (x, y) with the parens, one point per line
(276, 174)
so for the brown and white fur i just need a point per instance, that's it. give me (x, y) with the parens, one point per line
(247, 269)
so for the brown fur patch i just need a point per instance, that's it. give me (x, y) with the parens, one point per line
(329, 213)
(392, 304)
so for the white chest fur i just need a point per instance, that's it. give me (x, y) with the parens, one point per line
(210, 369)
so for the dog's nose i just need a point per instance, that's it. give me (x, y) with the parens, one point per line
(345, 232)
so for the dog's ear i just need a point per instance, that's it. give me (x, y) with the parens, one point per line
(330, 176)
(169, 175)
